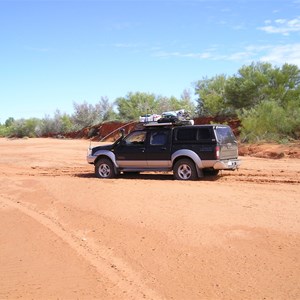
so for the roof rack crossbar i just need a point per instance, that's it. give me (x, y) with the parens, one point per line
(156, 124)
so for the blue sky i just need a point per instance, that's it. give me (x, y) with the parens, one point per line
(54, 53)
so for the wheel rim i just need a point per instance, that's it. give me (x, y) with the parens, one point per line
(184, 171)
(104, 170)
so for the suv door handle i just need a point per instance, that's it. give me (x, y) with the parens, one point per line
(163, 148)
(142, 149)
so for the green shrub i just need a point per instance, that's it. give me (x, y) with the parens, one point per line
(4, 131)
(24, 127)
(268, 121)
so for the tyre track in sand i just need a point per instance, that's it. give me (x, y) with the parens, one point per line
(242, 175)
(262, 178)
(113, 268)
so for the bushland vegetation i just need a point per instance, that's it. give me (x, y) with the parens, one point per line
(265, 98)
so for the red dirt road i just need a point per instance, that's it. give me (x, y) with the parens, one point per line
(67, 235)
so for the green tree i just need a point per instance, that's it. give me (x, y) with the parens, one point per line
(262, 82)
(60, 123)
(66, 124)
(9, 122)
(136, 104)
(86, 115)
(284, 84)
(186, 102)
(25, 127)
(266, 98)
(247, 88)
(172, 103)
(5, 129)
(267, 121)
(106, 110)
(211, 96)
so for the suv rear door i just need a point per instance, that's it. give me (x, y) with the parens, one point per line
(227, 142)
(158, 148)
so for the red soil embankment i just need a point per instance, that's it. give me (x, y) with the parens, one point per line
(109, 131)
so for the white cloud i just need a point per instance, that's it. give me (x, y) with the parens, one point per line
(203, 55)
(283, 54)
(280, 21)
(275, 54)
(239, 56)
(282, 26)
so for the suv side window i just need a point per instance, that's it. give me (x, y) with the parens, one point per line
(158, 138)
(204, 134)
(186, 134)
(135, 138)
(192, 135)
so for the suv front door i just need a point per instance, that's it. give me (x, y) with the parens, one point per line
(130, 153)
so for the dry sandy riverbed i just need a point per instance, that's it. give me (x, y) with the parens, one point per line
(67, 235)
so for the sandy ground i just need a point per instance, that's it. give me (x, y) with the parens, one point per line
(67, 235)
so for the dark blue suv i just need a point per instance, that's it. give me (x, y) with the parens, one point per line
(191, 151)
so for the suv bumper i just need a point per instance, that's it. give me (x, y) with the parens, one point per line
(231, 164)
(91, 159)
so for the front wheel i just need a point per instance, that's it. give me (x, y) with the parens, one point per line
(185, 169)
(104, 168)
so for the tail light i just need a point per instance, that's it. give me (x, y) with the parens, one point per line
(217, 152)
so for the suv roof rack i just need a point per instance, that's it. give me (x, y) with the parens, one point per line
(150, 124)
(177, 123)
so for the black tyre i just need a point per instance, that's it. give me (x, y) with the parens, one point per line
(185, 169)
(104, 168)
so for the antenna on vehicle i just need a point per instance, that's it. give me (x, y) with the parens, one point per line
(121, 127)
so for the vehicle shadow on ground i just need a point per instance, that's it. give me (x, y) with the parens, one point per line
(131, 176)
(85, 175)
(147, 176)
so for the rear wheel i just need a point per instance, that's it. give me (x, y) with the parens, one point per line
(185, 169)
(104, 168)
